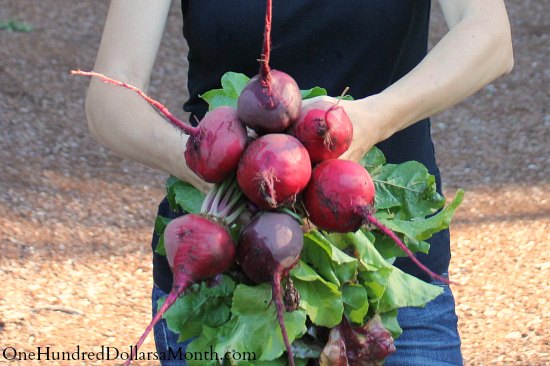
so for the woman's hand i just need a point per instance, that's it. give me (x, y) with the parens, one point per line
(371, 123)
(479, 32)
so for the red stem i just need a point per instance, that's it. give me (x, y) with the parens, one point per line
(170, 300)
(184, 127)
(370, 218)
(265, 71)
(276, 294)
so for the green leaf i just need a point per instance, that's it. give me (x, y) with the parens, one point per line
(196, 309)
(403, 290)
(329, 261)
(375, 283)
(160, 248)
(184, 196)
(304, 349)
(356, 302)
(281, 361)
(373, 161)
(321, 300)
(232, 85)
(160, 224)
(346, 97)
(407, 190)
(313, 92)
(389, 249)
(369, 258)
(389, 319)
(15, 26)
(252, 328)
(424, 229)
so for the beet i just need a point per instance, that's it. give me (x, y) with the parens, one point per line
(269, 107)
(337, 189)
(271, 100)
(324, 129)
(214, 147)
(213, 153)
(267, 249)
(367, 345)
(273, 170)
(340, 198)
(199, 246)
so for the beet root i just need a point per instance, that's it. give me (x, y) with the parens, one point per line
(273, 170)
(324, 129)
(336, 190)
(268, 247)
(271, 100)
(197, 249)
(340, 198)
(214, 147)
(270, 106)
(213, 153)
(368, 345)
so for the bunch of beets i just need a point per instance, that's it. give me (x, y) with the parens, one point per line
(284, 158)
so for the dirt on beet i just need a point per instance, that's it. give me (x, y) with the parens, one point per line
(76, 220)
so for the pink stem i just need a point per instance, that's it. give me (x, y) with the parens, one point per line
(276, 294)
(370, 218)
(265, 70)
(187, 129)
(170, 300)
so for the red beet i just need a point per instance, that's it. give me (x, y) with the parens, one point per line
(214, 152)
(271, 100)
(368, 345)
(199, 246)
(340, 198)
(273, 170)
(197, 249)
(324, 129)
(214, 147)
(269, 107)
(268, 247)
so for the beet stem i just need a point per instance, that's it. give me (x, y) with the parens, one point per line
(207, 203)
(289, 212)
(228, 196)
(226, 211)
(370, 218)
(170, 300)
(277, 296)
(342, 95)
(236, 213)
(216, 201)
(265, 70)
(184, 127)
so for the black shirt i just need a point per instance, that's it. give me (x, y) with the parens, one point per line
(364, 44)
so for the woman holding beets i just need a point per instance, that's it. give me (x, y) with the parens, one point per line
(376, 47)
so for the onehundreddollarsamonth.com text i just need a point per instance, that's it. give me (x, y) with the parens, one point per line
(107, 353)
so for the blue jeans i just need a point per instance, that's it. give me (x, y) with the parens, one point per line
(430, 336)
(165, 339)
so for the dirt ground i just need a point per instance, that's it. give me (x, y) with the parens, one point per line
(75, 220)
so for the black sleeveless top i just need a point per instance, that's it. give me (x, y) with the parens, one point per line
(364, 44)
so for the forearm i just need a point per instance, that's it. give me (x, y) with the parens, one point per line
(130, 127)
(119, 118)
(473, 53)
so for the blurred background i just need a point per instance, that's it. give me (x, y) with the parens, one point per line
(76, 220)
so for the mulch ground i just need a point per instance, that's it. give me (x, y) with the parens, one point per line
(75, 220)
